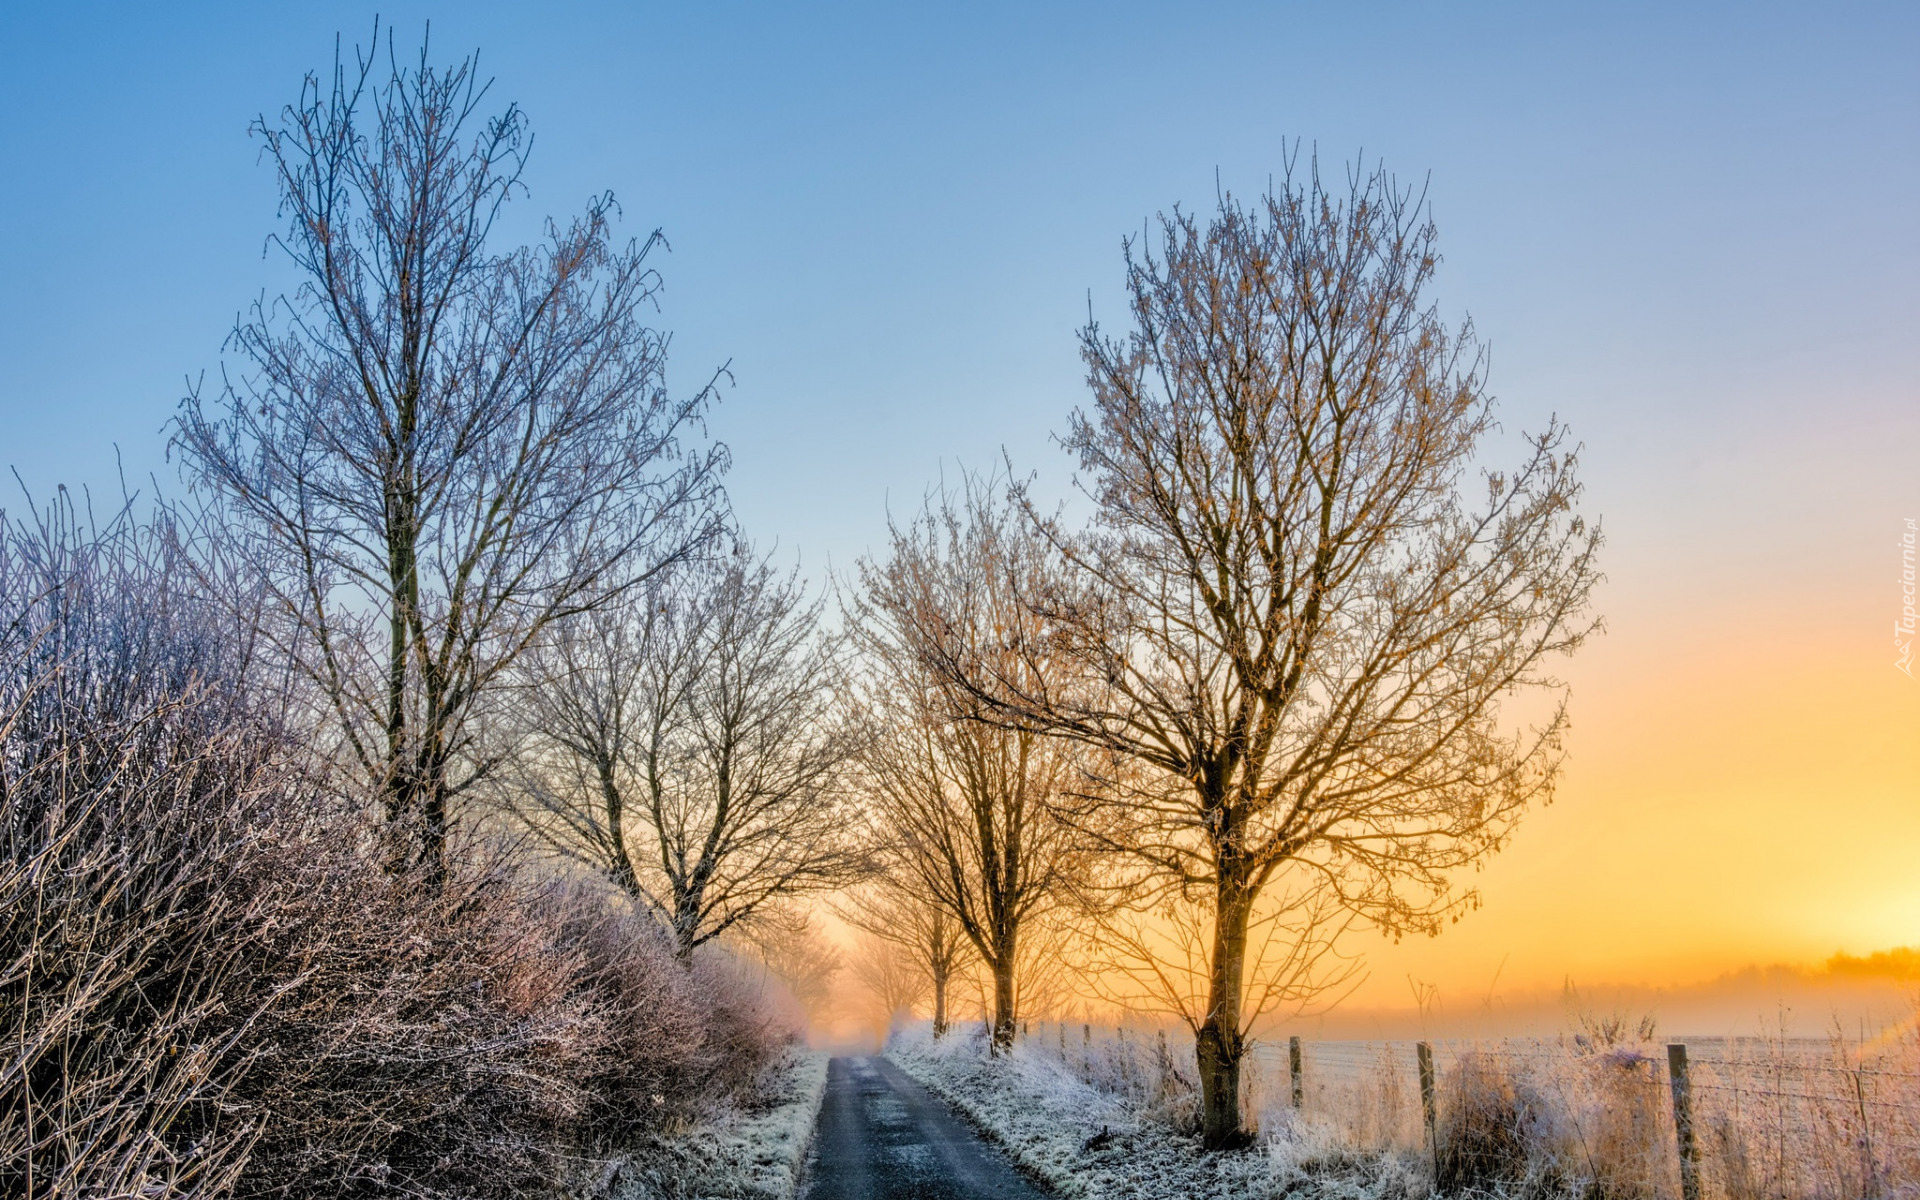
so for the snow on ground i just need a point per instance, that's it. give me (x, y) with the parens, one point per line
(1092, 1143)
(753, 1154)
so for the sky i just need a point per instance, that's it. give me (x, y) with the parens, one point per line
(1687, 229)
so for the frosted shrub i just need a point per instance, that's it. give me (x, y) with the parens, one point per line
(744, 1032)
(1623, 1131)
(676, 1042)
(1548, 1122)
(1492, 1127)
(209, 981)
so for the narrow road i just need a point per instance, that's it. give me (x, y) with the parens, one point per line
(884, 1137)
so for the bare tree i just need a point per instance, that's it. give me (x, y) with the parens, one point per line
(438, 449)
(1292, 623)
(689, 747)
(890, 905)
(888, 974)
(967, 806)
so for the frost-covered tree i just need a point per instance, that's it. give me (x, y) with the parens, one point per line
(690, 747)
(1301, 601)
(437, 448)
(966, 810)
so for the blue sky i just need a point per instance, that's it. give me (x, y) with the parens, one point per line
(1687, 228)
(1692, 230)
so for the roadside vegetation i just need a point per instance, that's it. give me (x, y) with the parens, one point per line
(1115, 1113)
(214, 983)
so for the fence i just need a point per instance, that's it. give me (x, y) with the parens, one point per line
(1705, 1119)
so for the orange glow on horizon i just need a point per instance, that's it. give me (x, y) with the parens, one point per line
(1730, 799)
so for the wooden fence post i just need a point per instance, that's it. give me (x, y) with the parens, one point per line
(1683, 1120)
(1293, 1068)
(1424, 1051)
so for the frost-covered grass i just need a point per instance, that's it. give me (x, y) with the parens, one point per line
(1584, 1115)
(755, 1152)
(1107, 1143)
(1774, 1119)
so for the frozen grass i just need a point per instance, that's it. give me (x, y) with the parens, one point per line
(1782, 1119)
(1548, 1120)
(1810, 1120)
(1586, 1116)
(1106, 1113)
(753, 1152)
(1110, 1126)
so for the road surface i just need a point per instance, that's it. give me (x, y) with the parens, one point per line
(884, 1137)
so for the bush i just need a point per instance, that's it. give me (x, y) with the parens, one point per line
(677, 1042)
(130, 803)
(428, 1041)
(1489, 1127)
(210, 986)
(1588, 1123)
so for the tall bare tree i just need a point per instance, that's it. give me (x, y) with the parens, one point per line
(690, 747)
(967, 807)
(891, 904)
(437, 449)
(1293, 618)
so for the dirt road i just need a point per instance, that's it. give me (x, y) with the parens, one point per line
(884, 1137)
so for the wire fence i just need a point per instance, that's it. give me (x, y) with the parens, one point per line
(1705, 1119)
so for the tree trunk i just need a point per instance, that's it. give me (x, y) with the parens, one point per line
(433, 832)
(686, 927)
(939, 1004)
(431, 774)
(1002, 1004)
(619, 861)
(1218, 1046)
(404, 782)
(397, 784)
